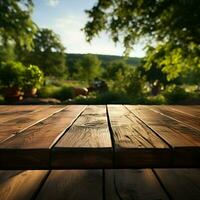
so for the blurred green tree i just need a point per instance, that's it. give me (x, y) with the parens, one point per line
(16, 23)
(154, 70)
(173, 25)
(124, 78)
(88, 68)
(161, 20)
(192, 76)
(47, 53)
(7, 52)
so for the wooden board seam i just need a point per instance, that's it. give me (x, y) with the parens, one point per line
(13, 135)
(112, 138)
(185, 124)
(150, 128)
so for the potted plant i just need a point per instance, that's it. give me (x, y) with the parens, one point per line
(32, 80)
(11, 79)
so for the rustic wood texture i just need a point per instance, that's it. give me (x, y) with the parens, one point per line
(122, 184)
(10, 108)
(20, 185)
(32, 147)
(87, 143)
(73, 185)
(189, 120)
(184, 141)
(188, 110)
(132, 184)
(18, 111)
(116, 136)
(135, 144)
(181, 184)
(12, 127)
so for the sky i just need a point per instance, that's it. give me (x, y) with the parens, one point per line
(67, 17)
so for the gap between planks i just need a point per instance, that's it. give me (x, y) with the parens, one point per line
(13, 127)
(185, 142)
(32, 148)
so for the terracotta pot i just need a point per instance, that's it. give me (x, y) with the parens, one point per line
(30, 92)
(12, 94)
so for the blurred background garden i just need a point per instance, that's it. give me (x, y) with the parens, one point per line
(36, 67)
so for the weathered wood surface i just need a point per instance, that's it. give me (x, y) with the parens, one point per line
(17, 111)
(181, 184)
(73, 185)
(87, 144)
(187, 110)
(122, 184)
(14, 126)
(183, 139)
(133, 184)
(192, 121)
(32, 147)
(133, 139)
(112, 136)
(20, 185)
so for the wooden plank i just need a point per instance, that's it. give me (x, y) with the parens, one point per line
(20, 185)
(31, 148)
(135, 144)
(188, 110)
(132, 184)
(12, 127)
(15, 108)
(72, 185)
(181, 184)
(87, 143)
(8, 108)
(188, 120)
(184, 140)
(19, 111)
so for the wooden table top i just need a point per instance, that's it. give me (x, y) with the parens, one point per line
(99, 136)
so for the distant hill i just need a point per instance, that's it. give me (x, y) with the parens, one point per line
(105, 59)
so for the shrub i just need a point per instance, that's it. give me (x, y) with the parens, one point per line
(175, 94)
(113, 98)
(33, 77)
(47, 91)
(2, 100)
(155, 100)
(11, 74)
(61, 93)
(64, 93)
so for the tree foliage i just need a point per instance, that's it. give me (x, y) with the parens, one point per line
(123, 78)
(88, 67)
(7, 52)
(11, 74)
(16, 23)
(33, 77)
(47, 53)
(162, 20)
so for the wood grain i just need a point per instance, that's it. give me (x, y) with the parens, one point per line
(184, 140)
(188, 110)
(132, 184)
(55, 137)
(87, 143)
(188, 120)
(19, 111)
(13, 127)
(9, 108)
(181, 184)
(31, 148)
(20, 185)
(72, 185)
(135, 144)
